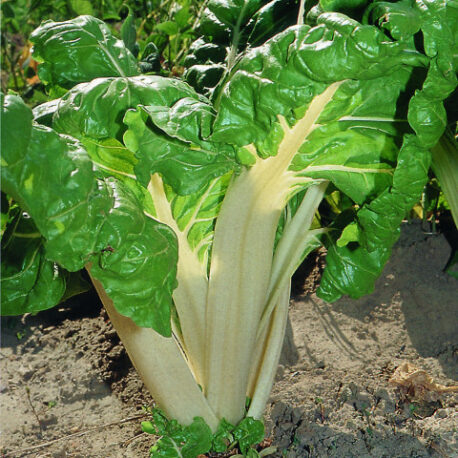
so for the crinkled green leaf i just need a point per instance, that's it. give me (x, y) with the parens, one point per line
(65, 200)
(355, 145)
(87, 220)
(137, 267)
(295, 66)
(351, 270)
(199, 438)
(428, 118)
(96, 109)
(185, 167)
(228, 27)
(238, 22)
(380, 219)
(188, 120)
(79, 50)
(223, 436)
(401, 19)
(437, 21)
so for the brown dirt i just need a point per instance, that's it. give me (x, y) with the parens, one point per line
(66, 378)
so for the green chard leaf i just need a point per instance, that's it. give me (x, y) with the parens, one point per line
(89, 220)
(186, 166)
(227, 28)
(400, 19)
(437, 21)
(137, 267)
(294, 67)
(30, 176)
(246, 21)
(96, 109)
(79, 50)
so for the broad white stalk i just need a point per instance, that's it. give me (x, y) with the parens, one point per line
(241, 264)
(162, 367)
(239, 279)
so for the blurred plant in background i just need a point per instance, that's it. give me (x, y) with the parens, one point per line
(157, 32)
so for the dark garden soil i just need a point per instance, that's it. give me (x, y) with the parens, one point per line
(343, 388)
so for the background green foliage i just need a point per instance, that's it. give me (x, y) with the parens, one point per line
(158, 32)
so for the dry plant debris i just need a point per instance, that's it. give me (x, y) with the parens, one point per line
(418, 383)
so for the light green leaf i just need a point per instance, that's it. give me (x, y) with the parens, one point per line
(80, 7)
(137, 265)
(92, 221)
(97, 109)
(380, 220)
(351, 233)
(248, 432)
(186, 168)
(170, 28)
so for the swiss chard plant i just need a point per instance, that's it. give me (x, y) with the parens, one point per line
(192, 210)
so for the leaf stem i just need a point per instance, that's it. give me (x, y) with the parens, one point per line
(162, 367)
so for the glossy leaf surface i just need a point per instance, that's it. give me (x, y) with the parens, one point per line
(79, 50)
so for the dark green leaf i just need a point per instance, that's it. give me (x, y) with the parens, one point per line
(79, 50)
(128, 32)
(69, 218)
(29, 282)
